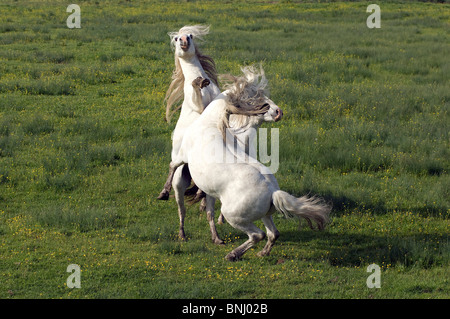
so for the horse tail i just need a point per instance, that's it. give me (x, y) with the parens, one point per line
(309, 208)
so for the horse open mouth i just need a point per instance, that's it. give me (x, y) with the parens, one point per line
(184, 46)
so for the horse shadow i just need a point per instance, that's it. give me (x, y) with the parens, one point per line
(357, 250)
(342, 204)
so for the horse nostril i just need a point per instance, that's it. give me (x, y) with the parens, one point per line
(184, 42)
(279, 115)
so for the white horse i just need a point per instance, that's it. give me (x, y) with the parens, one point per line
(194, 80)
(241, 129)
(247, 190)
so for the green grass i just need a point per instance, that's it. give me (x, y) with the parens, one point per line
(84, 150)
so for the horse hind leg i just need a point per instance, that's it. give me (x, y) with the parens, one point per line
(272, 235)
(181, 181)
(210, 215)
(255, 235)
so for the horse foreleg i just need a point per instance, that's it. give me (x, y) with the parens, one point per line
(198, 84)
(272, 235)
(164, 195)
(255, 235)
(200, 196)
(210, 215)
(221, 219)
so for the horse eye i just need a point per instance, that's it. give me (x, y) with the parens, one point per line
(190, 36)
(176, 39)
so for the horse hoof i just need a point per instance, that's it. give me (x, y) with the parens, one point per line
(200, 196)
(197, 82)
(164, 195)
(204, 83)
(200, 82)
(232, 257)
(182, 236)
(262, 253)
(219, 242)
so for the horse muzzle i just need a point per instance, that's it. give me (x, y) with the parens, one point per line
(184, 43)
(278, 115)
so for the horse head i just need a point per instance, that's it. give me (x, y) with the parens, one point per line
(183, 41)
(248, 95)
(184, 45)
(248, 101)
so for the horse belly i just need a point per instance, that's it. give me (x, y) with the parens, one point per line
(242, 190)
(207, 177)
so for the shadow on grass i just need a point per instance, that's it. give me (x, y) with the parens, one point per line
(356, 250)
(342, 204)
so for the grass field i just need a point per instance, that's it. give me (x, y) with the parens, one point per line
(84, 149)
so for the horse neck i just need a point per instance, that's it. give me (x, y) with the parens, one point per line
(242, 123)
(192, 69)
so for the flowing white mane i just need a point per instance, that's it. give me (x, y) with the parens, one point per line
(248, 91)
(246, 95)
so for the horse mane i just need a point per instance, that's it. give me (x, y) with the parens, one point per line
(246, 96)
(175, 92)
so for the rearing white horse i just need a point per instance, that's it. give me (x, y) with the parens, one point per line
(239, 127)
(247, 190)
(194, 80)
